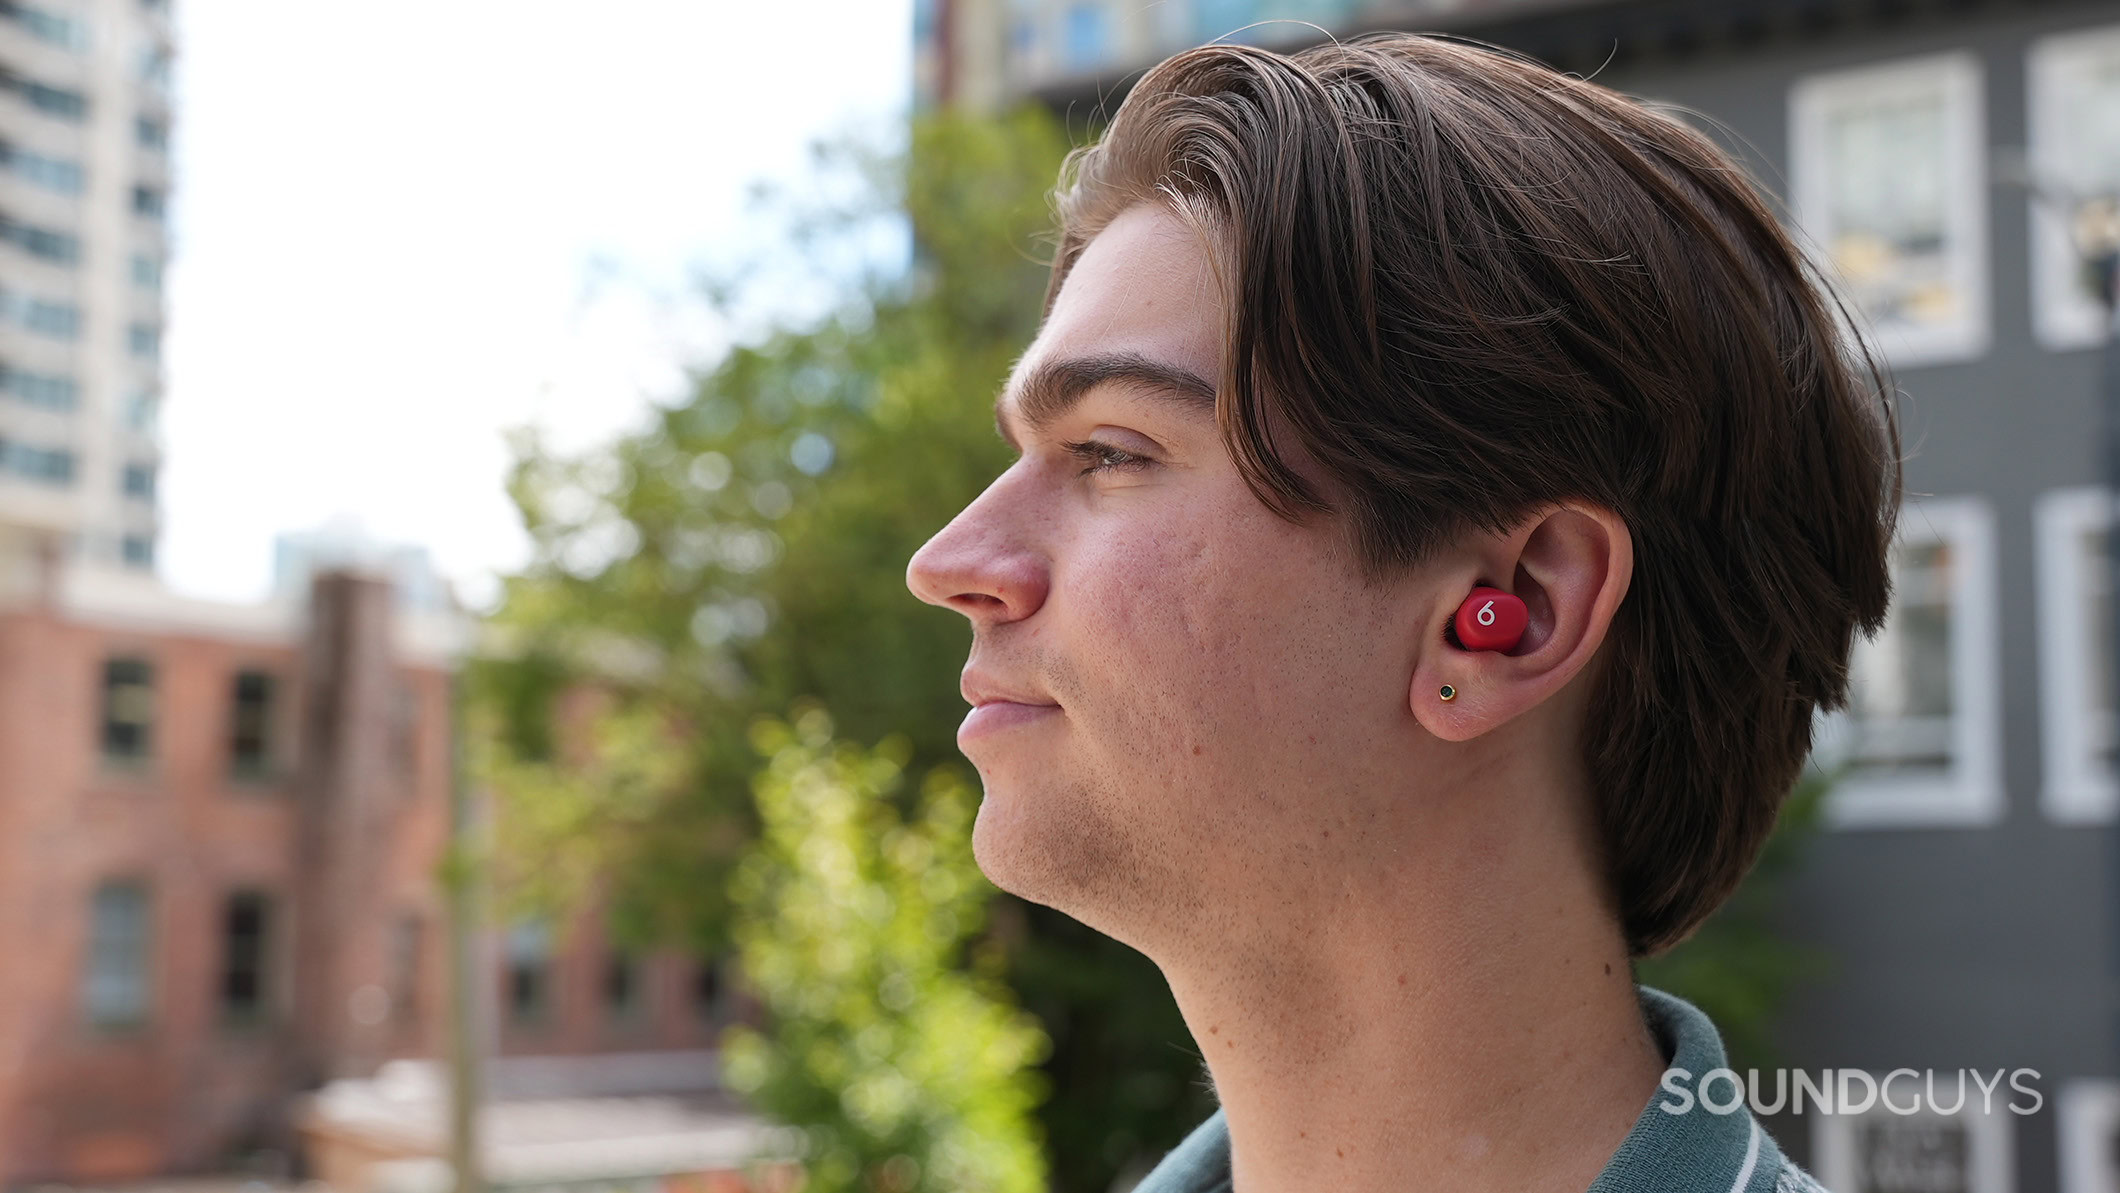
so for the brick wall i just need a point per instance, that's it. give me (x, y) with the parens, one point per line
(343, 835)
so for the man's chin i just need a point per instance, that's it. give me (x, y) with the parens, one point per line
(1046, 844)
(1052, 847)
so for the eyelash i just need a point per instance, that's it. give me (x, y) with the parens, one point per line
(1104, 456)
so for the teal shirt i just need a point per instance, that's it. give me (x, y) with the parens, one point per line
(1697, 1150)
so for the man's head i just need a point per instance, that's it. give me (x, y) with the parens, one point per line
(1332, 339)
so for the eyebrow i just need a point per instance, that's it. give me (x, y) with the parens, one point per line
(1055, 387)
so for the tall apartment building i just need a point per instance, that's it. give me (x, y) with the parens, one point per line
(84, 185)
(1965, 895)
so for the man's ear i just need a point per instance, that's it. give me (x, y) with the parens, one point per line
(1570, 564)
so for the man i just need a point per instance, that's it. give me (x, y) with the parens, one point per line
(1332, 340)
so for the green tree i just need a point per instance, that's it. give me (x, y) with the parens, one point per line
(909, 1072)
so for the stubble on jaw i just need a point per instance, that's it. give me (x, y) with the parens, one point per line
(1054, 845)
(1063, 846)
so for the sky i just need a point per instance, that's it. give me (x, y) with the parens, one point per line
(401, 227)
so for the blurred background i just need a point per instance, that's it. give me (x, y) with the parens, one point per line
(461, 720)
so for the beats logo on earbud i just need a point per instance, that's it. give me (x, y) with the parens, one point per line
(1491, 619)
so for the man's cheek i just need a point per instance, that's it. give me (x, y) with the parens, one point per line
(1119, 592)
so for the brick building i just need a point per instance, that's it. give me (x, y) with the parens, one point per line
(219, 833)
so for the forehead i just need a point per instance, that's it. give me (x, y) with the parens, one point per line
(1142, 286)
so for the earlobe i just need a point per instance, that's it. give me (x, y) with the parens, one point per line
(1451, 711)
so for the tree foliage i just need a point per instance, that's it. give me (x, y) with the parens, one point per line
(910, 1073)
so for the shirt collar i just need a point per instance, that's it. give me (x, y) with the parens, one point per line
(1697, 1149)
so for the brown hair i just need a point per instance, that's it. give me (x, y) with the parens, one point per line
(1473, 285)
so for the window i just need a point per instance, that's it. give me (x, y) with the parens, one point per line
(41, 390)
(146, 272)
(622, 993)
(405, 727)
(144, 339)
(64, 32)
(114, 988)
(137, 550)
(246, 954)
(150, 133)
(41, 242)
(250, 725)
(2075, 655)
(128, 709)
(46, 465)
(54, 101)
(407, 938)
(154, 66)
(59, 320)
(2087, 1123)
(2074, 117)
(147, 201)
(1886, 181)
(52, 173)
(141, 408)
(1024, 40)
(707, 993)
(140, 481)
(1884, 1146)
(1920, 740)
(529, 972)
(1085, 36)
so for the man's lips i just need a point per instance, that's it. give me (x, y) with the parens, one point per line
(995, 716)
(998, 705)
(979, 688)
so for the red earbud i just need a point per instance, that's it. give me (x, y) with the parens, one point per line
(1491, 619)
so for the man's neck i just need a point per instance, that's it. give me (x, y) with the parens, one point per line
(1464, 1022)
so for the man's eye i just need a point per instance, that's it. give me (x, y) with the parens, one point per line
(1101, 456)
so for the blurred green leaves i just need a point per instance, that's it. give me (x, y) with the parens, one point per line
(908, 1071)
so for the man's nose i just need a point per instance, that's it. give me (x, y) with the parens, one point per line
(981, 567)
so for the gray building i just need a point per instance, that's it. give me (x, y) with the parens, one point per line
(1965, 890)
(84, 184)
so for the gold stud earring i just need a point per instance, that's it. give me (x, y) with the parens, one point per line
(1448, 693)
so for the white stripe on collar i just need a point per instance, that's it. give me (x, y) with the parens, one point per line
(1744, 1174)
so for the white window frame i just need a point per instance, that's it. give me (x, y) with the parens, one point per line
(1959, 74)
(2062, 316)
(2077, 788)
(1970, 794)
(1990, 1136)
(2088, 1114)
